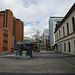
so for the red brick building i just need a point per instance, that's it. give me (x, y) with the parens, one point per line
(19, 34)
(5, 39)
(6, 19)
(9, 26)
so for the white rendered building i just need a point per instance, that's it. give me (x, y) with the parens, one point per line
(65, 33)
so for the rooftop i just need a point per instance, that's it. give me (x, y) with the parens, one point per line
(56, 17)
(66, 16)
(2, 11)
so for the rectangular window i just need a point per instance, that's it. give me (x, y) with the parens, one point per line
(55, 37)
(73, 23)
(59, 34)
(74, 45)
(69, 47)
(4, 48)
(64, 47)
(67, 28)
(63, 32)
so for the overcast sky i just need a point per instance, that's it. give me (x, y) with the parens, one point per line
(35, 13)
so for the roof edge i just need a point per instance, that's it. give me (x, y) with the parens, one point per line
(66, 16)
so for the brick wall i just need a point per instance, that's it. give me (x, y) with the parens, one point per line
(6, 19)
(5, 40)
(19, 30)
(9, 41)
(2, 19)
(1, 39)
(13, 26)
(9, 19)
(22, 32)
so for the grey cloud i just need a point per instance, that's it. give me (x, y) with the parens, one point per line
(33, 10)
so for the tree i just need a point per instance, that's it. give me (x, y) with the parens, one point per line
(36, 36)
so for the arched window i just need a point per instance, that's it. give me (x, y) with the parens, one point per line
(69, 47)
(73, 24)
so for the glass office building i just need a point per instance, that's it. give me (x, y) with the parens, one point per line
(52, 24)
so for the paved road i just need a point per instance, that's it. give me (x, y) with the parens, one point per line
(48, 63)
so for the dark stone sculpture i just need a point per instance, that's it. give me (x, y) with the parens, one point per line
(19, 47)
(26, 45)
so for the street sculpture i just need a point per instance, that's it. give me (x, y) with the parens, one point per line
(26, 45)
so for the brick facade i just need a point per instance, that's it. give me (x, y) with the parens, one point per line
(5, 41)
(19, 31)
(2, 19)
(9, 26)
(6, 19)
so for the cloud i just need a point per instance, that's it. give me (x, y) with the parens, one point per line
(31, 29)
(36, 13)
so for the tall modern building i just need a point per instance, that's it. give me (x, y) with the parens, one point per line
(52, 23)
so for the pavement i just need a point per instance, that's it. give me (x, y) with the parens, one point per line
(42, 63)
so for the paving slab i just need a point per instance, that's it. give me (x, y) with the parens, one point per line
(22, 57)
(47, 63)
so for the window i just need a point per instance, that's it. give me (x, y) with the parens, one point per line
(74, 45)
(59, 34)
(73, 23)
(64, 47)
(55, 37)
(4, 48)
(69, 47)
(63, 32)
(67, 28)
